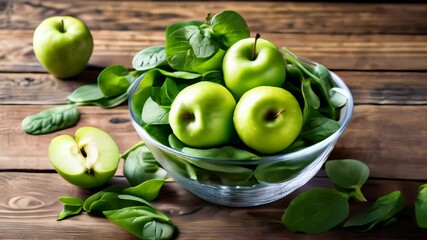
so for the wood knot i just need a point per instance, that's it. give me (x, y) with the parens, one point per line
(26, 201)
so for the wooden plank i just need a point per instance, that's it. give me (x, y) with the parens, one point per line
(389, 139)
(372, 87)
(283, 17)
(355, 52)
(28, 211)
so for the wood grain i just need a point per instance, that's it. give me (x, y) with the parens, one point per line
(279, 17)
(336, 51)
(377, 135)
(367, 87)
(26, 206)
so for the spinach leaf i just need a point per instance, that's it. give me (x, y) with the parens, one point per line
(275, 172)
(115, 80)
(108, 102)
(134, 220)
(155, 230)
(113, 201)
(228, 27)
(142, 93)
(318, 128)
(148, 190)
(98, 195)
(51, 120)
(226, 152)
(86, 93)
(153, 113)
(309, 95)
(72, 207)
(316, 211)
(149, 58)
(421, 207)
(348, 175)
(381, 212)
(140, 166)
(338, 97)
(214, 76)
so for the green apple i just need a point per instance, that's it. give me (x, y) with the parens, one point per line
(201, 115)
(253, 62)
(63, 45)
(268, 119)
(89, 160)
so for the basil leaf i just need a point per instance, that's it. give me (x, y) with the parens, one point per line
(384, 209)
(348, 174)
(148, 190)
(421, 207)
(133, 219)
(149, 58)
(318, 128)
(315, 211)
(115, 80)
(85, 93)
(140, 166)
(153, 113)
(155, 230)
(72, 206)
(51, 120)
(228, 27)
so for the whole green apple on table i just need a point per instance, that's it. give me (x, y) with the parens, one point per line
(210, 90)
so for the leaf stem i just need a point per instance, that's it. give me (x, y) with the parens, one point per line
(125, 154)
(358, 195)
(254, 55)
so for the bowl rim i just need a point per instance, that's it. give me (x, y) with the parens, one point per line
(345, 117)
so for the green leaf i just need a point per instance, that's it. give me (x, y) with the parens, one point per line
(148, 190)
(133, 219)
(214, 76)
(280, 171)
(338, 97)
(86, 93)
(199, 40)
(348, 174)
(108, 102)
(155, 230)
(421, 207)
(175, 143)
(51, 120)
(115, 80)
(71, 201)
(226, 152)
(228, 27)
(384, 209)
(140, 166)
(153, 113)
(315, 211)
(113, 201)
(149, 58)
(72, 206)
(309, 95)
(319, 128)
(98, 195)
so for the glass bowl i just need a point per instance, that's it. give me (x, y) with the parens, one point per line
(232, 182)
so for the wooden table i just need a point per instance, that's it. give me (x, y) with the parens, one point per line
(380, 50)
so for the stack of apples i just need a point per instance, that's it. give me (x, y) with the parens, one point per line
(253, 103)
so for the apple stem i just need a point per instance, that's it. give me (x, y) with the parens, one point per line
(271, 115)
(188, 116)
(254, 55)
(62, 26)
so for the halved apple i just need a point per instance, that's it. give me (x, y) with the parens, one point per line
(89, 160)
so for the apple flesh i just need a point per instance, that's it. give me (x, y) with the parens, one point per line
(201, 115)
(268, 119)
(89, 160)
(63, 45)
(253, 62)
